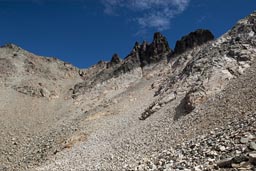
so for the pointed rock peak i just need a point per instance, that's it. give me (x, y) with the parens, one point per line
(115, 59)
(136, 47)
(158, 36)
(144, 46)
(160, 44)
(192, 40)
(160, 39)
(136, 44)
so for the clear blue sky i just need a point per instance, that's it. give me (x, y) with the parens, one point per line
(83, 32)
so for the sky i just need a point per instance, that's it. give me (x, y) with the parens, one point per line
(82, 32)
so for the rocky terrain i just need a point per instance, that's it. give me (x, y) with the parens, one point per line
(191, 108)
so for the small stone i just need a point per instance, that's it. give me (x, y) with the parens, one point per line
(252, 146)
(156, 107)
(238, 152)
(234, 165)
(250, 136)
(222, 148)
(212, 132)
(245, 166)
(197, 168)
(210, 143)
(244, 140)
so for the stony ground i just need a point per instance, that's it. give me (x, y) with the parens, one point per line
(204, 137)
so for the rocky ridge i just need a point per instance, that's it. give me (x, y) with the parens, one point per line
(192, 40)
(109, 116)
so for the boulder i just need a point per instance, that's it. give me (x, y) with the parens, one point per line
(225, 163)
(252, 158)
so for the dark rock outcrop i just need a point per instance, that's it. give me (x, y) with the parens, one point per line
(114, 61)
(140, 56)
(154, 52)
(159, 45)
(145, 54)
(192, 40)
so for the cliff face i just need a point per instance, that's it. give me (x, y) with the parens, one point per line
(187, 112)
(192, 40)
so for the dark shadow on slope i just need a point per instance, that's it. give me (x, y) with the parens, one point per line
(182, 109)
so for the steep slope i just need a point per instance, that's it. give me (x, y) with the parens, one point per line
(196, 92)
(34, 98)
(115, 115)
(44, 100)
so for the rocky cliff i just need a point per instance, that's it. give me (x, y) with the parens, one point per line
(192, 40)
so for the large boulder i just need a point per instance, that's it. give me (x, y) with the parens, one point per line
(192, 40)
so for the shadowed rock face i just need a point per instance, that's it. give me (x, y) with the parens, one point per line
(154, 52)
(193, 39)
(158, 48)
(114, 60)
(145, 54)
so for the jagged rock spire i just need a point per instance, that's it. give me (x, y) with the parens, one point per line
(160, 43)
(146, 53)
(115, 59)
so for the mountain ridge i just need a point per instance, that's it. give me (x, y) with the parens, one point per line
(143, 112)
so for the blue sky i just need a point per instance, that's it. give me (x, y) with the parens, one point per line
(83, 32)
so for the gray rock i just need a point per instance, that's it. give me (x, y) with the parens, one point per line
(252, 146)
(44, 92)
(252, 158)
(225, 163)
(239, 159)
(222, 148)
(244, 140)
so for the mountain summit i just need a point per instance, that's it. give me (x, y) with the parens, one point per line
(191, 108)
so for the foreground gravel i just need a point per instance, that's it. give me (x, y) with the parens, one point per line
(230, 146)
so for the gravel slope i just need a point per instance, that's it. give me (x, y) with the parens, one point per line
(131, 121)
